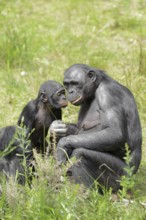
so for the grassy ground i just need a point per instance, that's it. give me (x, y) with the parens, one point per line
(39, 39)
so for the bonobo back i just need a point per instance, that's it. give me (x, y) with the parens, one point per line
(134, 131)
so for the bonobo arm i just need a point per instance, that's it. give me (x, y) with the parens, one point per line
(71, 129)
(27, 116)
(110, 138)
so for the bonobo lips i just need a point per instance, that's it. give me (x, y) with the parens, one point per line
(45, 100)
(64, 104)
(76, 100)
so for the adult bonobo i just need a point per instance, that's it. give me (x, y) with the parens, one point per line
(108, 119)
(39, 113)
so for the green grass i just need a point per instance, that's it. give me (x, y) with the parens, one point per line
(42, 38)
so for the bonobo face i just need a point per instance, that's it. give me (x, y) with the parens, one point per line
(59, 99)
(74, 84)
(79, 84)
(52, 94)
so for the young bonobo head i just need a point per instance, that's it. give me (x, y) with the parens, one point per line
(81, 82)
(52, 93)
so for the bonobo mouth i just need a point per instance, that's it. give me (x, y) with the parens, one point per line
(64, 104)
(45, 100)
(76, 100)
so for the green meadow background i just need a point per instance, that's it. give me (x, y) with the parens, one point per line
(39, 39)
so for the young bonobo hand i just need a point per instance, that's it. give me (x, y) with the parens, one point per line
(64, 133)
(58, 129)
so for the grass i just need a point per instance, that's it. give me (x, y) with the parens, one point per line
(39, 40)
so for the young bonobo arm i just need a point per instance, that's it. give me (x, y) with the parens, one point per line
(27, 116)
(110, 138)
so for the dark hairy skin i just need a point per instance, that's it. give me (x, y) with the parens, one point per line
(39, 113)
(14, 149)
(32, 129)
(108, 120)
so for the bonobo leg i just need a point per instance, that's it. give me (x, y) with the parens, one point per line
(92, 165)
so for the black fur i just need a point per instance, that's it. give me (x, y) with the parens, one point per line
(108, 119)
(17, 142)
(39, 113)
(14, 149)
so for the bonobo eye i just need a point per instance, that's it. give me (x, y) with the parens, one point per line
(65, 84)
(61, 93)
(74, 83)
(43, 94)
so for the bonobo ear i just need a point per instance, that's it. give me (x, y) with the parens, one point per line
(43, 97)
(92, 75)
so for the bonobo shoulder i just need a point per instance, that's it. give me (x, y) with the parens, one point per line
(110, 93)
(32, 105)
(103, 95)
(28, 112)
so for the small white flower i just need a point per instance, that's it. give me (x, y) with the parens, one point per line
(23, 73)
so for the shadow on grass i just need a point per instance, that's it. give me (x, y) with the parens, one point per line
(140, 186)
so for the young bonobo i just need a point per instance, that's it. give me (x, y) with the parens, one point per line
(39, 113)
(14, 149)
(108, 120)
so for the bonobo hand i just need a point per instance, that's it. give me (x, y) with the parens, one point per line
(64, 150)
(58, 128)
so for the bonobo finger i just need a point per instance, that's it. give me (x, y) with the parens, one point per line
(60, 131)
(58, 126)
(56, 122)
(60, 156)
(61, 153)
